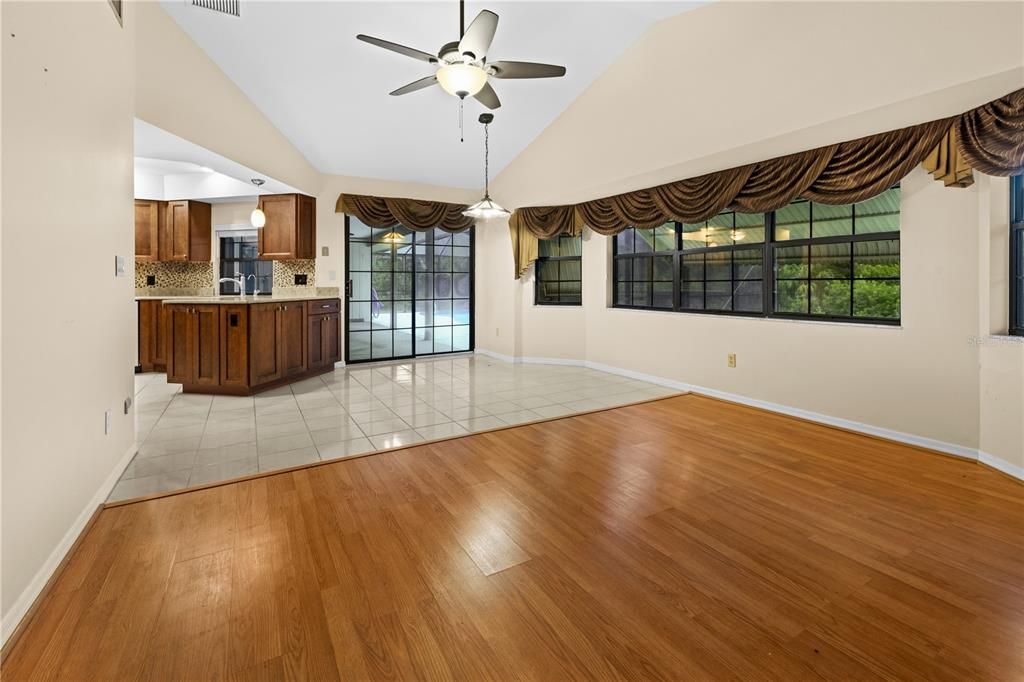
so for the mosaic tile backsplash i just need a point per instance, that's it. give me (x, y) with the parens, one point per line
(285, 271)
(190, 276)
(197, 279)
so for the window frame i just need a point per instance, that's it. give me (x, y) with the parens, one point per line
(768, 275)
(537, 280)
(1016, 247)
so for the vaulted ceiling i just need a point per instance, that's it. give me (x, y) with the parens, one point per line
(300, 64)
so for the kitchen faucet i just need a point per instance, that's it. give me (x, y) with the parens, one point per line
(240, 283)
(255, 285)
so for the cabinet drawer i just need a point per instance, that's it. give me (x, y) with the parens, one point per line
(323, 307)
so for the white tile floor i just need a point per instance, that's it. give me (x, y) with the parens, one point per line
(187, 440)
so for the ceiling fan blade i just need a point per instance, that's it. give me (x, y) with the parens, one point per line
(526, 70)
(400, 49)
(416, 85)
(488, 97)
(478, 37)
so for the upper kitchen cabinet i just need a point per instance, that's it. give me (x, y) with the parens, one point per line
(290, 230)
(148, 219)
(188, 231)
(172, 230)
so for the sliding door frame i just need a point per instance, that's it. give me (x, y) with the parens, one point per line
(347, 295)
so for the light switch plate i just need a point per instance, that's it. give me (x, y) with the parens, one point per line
(325, 251)
(119, 266)
(108, 422)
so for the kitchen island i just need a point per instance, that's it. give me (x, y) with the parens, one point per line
(235, 345)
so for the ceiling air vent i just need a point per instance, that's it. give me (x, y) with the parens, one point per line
(223, 6)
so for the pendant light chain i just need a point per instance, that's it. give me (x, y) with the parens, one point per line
(487, 155)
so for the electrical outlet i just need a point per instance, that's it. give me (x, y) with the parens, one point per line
(732, 359)
(108, 422)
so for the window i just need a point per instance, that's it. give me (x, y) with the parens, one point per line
(644, 267)
(239, 254)
(721, 267)
(1017, 255)
(558, 278)
(805, 260)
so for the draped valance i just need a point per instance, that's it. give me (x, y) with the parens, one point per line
(989, 139)
(414, 214)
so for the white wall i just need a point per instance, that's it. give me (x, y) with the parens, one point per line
(68, 101)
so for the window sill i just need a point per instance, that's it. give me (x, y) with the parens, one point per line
(760, 318)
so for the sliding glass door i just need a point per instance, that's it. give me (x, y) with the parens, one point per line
(409, 293)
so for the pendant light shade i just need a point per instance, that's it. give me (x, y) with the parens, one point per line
(486, 208)
(257, 218)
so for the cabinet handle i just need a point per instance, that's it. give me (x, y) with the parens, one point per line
(326, 305)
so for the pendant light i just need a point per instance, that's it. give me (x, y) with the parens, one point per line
(394, 237)
(486, 208)
(258, 218)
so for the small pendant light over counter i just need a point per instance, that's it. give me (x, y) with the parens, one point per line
(486, 207)
(257, 218)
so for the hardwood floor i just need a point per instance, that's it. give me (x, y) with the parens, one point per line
(681, 539)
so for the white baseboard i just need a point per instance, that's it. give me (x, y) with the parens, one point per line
(339, 364)
(20, 607)
(850, 425)
(496, 355)
(1001, 464)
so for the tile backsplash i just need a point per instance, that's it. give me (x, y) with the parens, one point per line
(197, 279)
(174, 278)
(285, 271)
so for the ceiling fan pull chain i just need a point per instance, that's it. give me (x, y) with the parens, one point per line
(462, 135)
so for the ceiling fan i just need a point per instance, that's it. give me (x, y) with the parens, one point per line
(462, 66)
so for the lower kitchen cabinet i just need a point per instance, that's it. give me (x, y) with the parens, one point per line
(242, 348)
(324, 340)
(152, 336)
(193, 341)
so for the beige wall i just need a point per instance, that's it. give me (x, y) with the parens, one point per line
(920, 378)
(181, 90)
(68, 101)
(737, 82)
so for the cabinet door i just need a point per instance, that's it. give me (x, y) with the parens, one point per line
(180, 344)
(293, 338)
(331, 331)
(146, 329)
(306, 236)
(158, 349)
(234, 345)
(177, 230)
(206, 319)
(264, 344)
(147, 231)
(277, 236)
(314, 335)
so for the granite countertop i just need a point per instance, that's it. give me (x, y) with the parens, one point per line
(227, 300)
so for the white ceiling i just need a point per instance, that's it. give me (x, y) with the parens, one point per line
(300, 63)
(169, 167)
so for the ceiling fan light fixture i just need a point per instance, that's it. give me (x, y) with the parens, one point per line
(461, 80)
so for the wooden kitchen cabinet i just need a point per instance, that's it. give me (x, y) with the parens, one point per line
(234, 346)
(193, 342)
(243, 347)
(188, 231)
(323, 335)
(152, 336)
(290, 230)
(149, 217)
(277, 341)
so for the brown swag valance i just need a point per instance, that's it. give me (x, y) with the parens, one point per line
(414, 214)
(989, 139)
